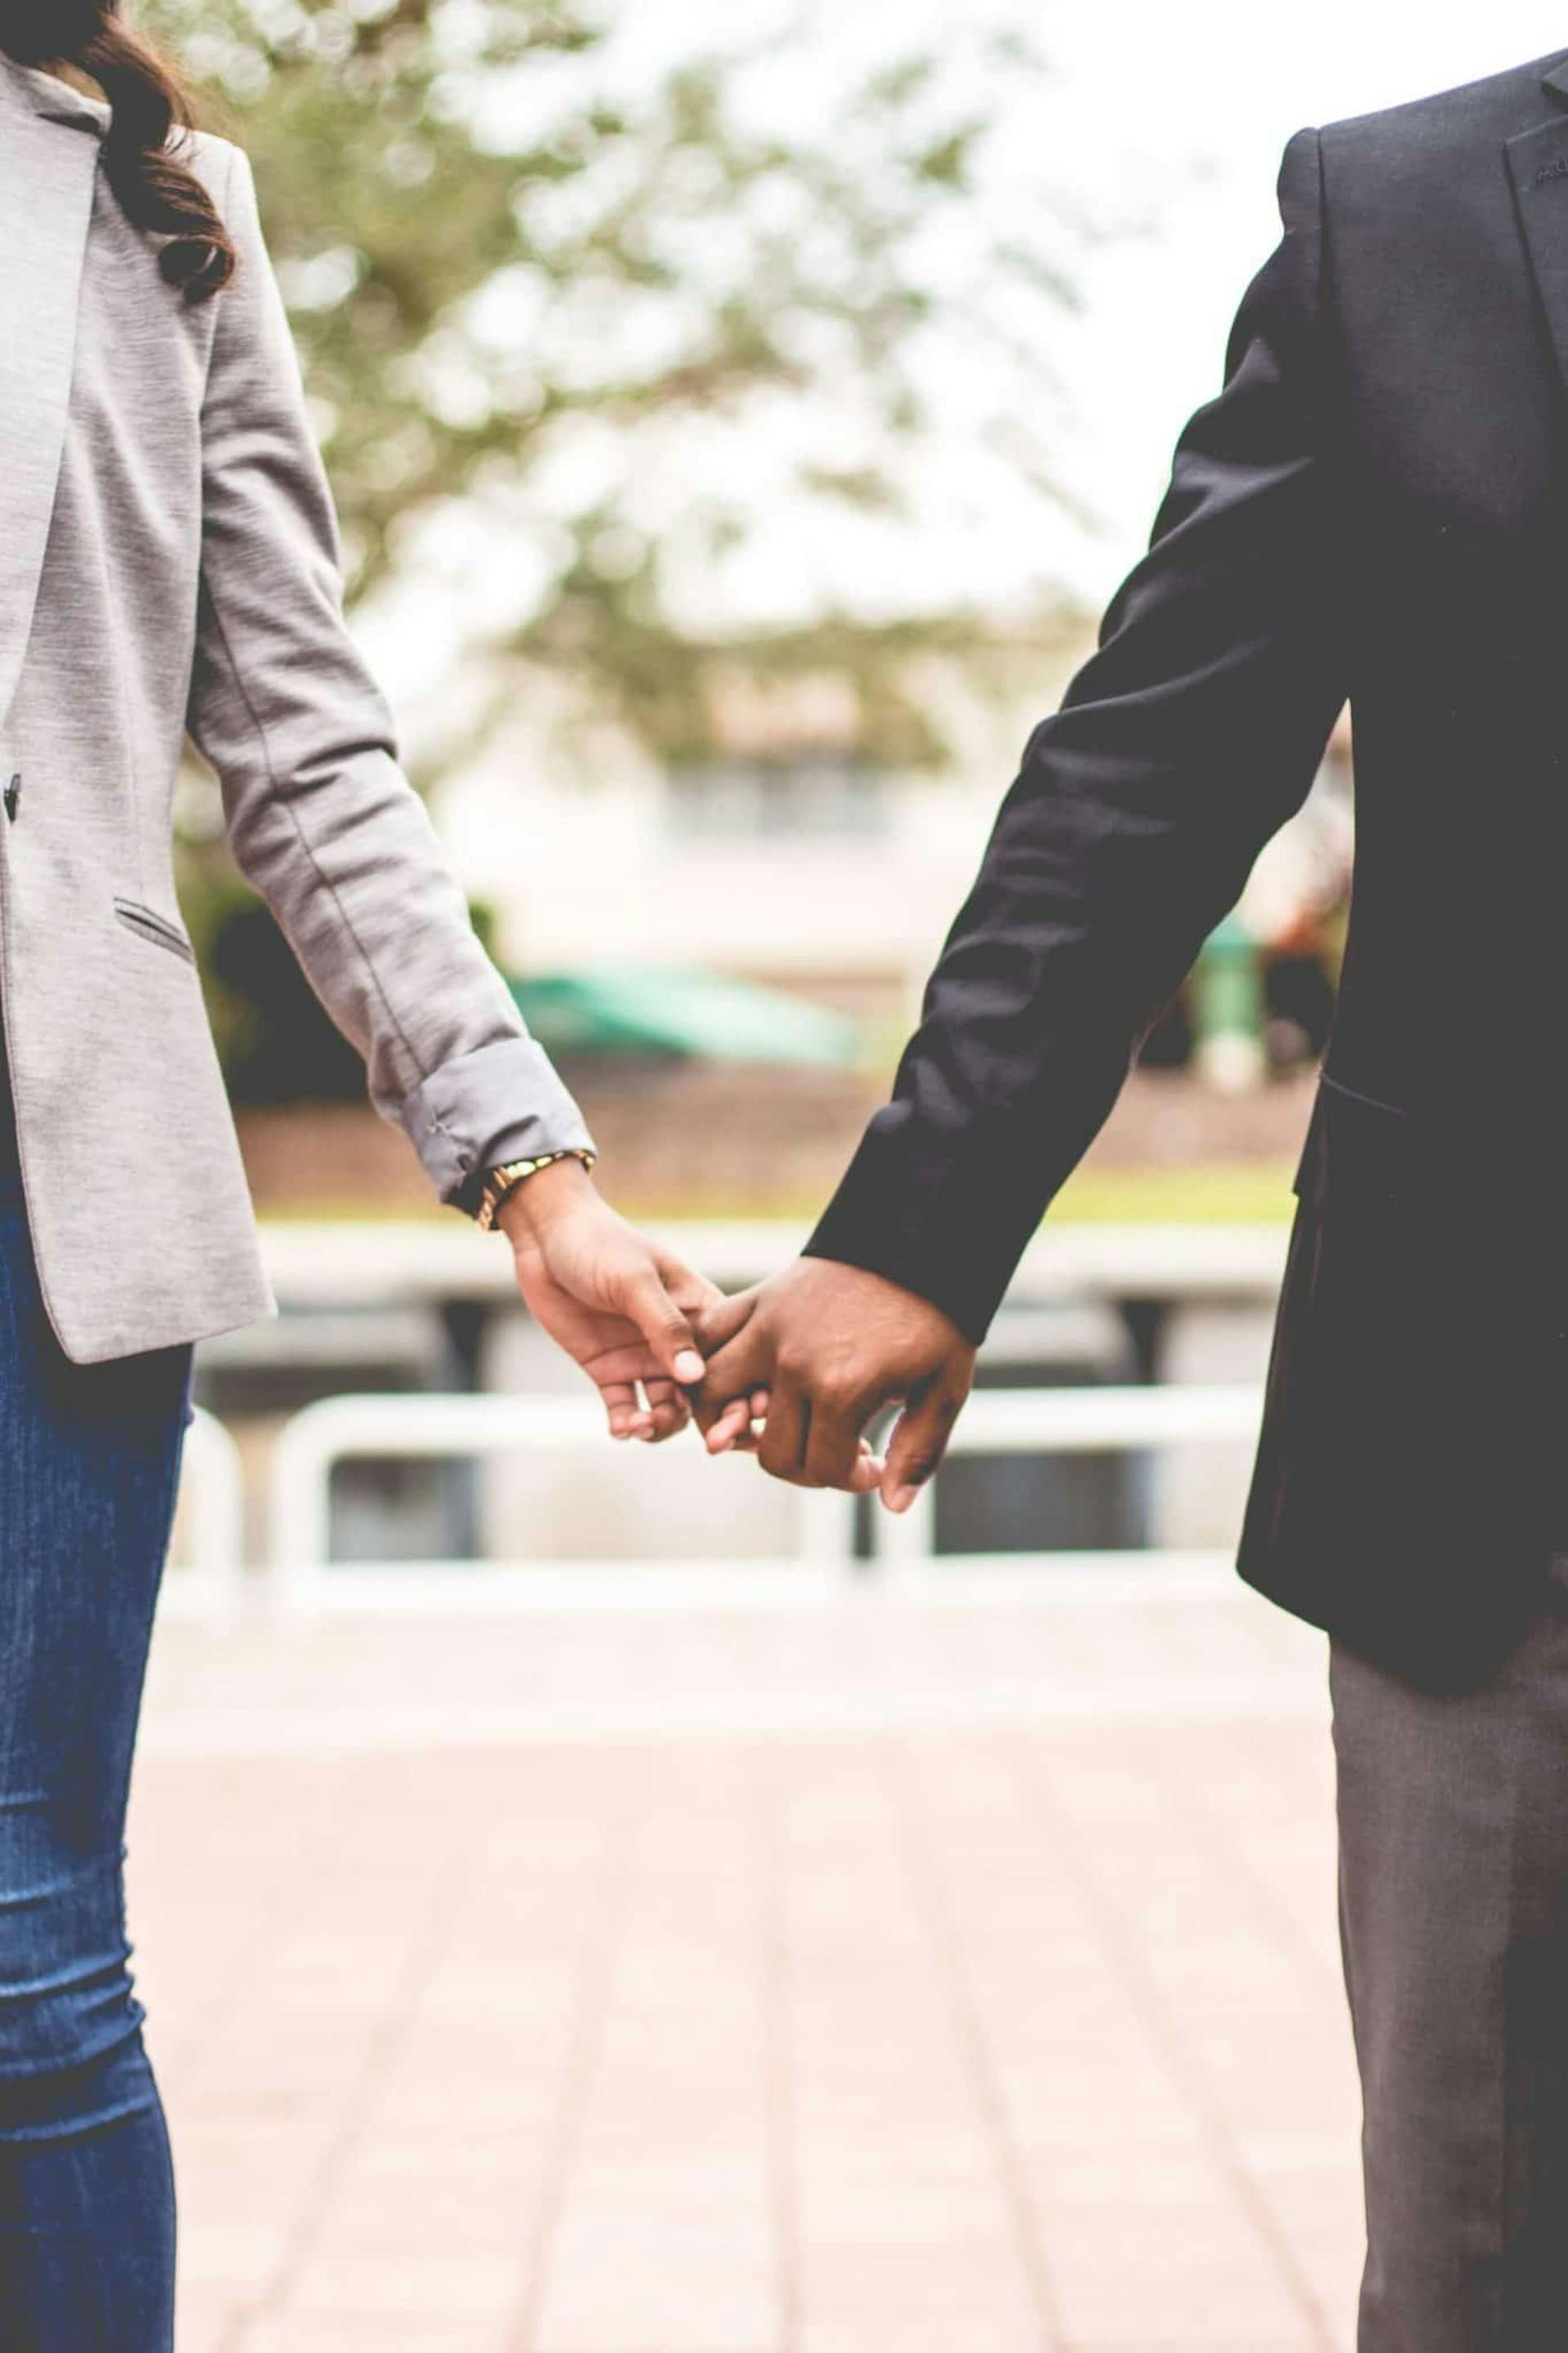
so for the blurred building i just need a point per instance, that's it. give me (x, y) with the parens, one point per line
(783, 856)
(786, 858)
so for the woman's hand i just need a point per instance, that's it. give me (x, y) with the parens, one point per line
(617, 1303)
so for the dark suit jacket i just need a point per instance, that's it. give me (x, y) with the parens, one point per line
(1373, 508)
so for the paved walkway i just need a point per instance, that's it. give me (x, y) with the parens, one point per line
(884, 1978)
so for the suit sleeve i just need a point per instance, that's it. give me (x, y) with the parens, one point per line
(1188, 738)
(322, 821)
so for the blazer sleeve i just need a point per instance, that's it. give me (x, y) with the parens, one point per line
(322, 821)
(1187, 739)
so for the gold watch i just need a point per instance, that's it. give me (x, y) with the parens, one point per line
(502, 1182)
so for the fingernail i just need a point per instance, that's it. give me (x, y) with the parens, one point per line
(690, 1366)
(901, 1498)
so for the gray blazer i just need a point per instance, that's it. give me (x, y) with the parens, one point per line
(229, 624)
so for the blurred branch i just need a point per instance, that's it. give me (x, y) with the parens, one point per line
(522, 276)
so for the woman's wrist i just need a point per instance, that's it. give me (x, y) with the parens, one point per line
(552, 1192)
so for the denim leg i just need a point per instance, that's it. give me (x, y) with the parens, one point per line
(88, 1471)
(87, 2211)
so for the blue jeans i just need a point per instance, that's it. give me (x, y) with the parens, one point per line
(89, 1467)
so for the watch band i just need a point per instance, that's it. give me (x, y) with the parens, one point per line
(502, 1182)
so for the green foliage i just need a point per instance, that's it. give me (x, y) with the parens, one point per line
(530, 270)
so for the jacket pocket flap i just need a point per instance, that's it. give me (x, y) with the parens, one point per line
(1355, 1145)
(148, 925)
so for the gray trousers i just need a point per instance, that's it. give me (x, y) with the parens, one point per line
(1453, 1909)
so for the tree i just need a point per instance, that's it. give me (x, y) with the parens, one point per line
(618, 302)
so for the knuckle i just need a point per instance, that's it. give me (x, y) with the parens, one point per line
(840, 1393)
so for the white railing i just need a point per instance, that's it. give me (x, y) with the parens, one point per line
(1074, 1422)
(432, 1428)
(212, 1517)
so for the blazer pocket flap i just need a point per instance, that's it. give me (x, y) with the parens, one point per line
(148, 925)
(1356, 1148)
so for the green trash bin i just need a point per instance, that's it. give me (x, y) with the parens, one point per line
(1228, 1009)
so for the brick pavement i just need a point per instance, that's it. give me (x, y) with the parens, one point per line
(883, 1980)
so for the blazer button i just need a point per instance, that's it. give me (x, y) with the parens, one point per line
(12, 796)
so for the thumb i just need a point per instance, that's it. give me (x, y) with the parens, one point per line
(667, 1331)
(918, 1443)
(692, 1293)
(719, 1324)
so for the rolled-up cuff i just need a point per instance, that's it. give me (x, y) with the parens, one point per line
(504, 1101)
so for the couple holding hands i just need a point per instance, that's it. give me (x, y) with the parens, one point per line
(1372, 507)
(793, 1370)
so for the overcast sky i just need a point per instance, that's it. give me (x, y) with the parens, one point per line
(1154, 95)
(1163, 124)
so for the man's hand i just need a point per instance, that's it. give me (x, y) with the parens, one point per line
(831, 1345)
(617, 1303)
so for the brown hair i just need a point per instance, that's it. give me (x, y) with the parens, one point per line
(157, 190)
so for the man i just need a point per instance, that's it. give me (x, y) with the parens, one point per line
(1375, 507)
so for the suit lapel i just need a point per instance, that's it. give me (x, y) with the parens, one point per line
(47, 169)
(1538, 164)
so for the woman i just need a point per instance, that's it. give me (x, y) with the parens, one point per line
(168, 560)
